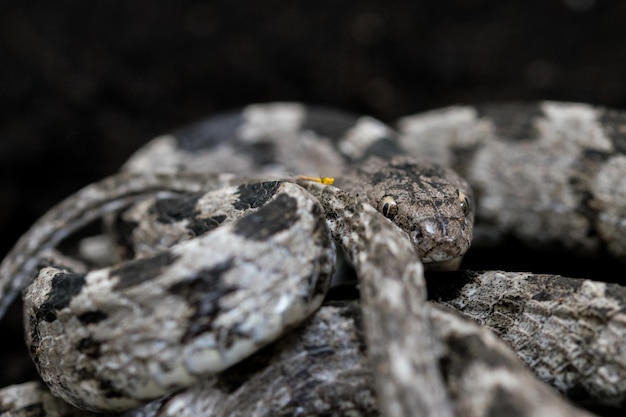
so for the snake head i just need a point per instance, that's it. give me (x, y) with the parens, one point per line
(431, 203)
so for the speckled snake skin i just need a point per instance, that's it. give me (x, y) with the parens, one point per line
(204, 294)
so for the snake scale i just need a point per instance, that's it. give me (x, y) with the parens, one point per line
(205, 293)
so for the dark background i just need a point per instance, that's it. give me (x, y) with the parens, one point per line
(83, 84)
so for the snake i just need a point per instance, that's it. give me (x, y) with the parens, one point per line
(209, 295)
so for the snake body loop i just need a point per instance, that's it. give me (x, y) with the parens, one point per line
(222, 254)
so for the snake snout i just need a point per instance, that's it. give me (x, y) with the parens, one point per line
(435, 240)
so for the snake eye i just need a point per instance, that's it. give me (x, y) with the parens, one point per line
(465, 203)
(388, 206)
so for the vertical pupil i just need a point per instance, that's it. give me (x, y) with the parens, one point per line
(386, 209)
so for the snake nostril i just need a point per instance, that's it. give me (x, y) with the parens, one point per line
(417, 235)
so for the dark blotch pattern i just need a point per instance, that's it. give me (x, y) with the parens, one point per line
(203, 291)
(92, 317)
(209, 132)
(109, 389)
(464, 351)
(514, 121)
(270, 219)
(384, 148)
(172, 210)
(328, 123)
(260, 153)
(89, 347)
(65, 285)
(137, 271)
(255, 195)
(198, 226)
(217, 220)
(587, 166)
(595, 157)
(463, 157)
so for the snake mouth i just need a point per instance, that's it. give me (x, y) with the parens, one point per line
(437, 257)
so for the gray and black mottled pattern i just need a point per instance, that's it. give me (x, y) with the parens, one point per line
(550, 174)
(538, 315)
(187, 312)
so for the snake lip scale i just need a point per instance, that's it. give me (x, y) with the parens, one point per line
(204, 293)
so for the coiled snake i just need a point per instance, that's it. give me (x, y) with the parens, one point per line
(211, 267)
